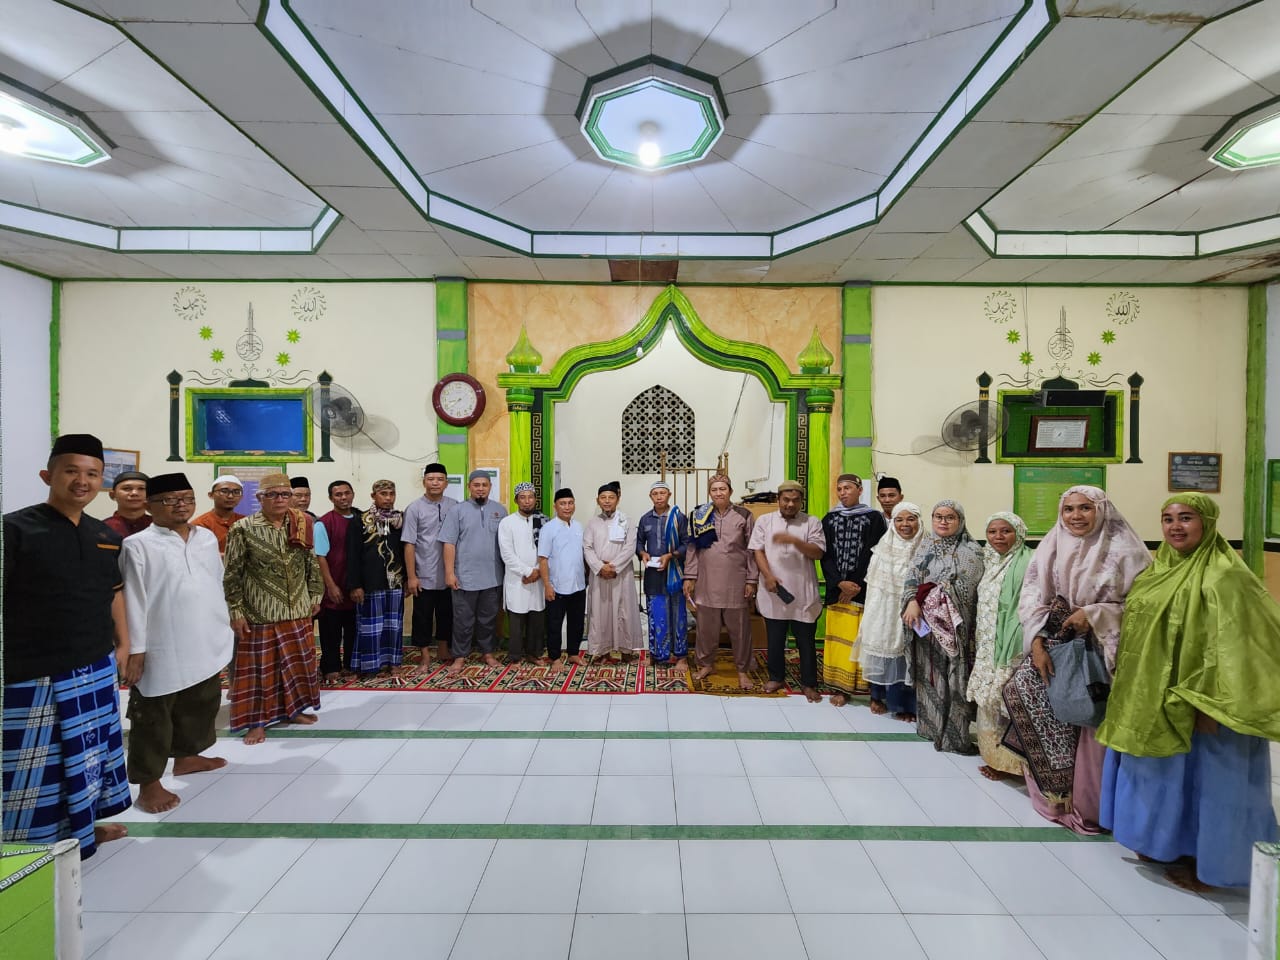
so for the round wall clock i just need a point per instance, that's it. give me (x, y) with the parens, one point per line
(458, 399)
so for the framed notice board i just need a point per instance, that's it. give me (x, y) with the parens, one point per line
(1201, 472)
(1273, 498)
(1036, 491)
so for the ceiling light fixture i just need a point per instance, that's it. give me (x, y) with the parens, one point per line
(47, 131)
(1249, 144)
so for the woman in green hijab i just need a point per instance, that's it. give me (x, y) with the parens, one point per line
(1196, 697)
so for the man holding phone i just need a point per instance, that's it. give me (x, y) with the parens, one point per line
(786, 543)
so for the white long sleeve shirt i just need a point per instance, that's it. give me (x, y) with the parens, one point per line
(175, 607)
(519, 558)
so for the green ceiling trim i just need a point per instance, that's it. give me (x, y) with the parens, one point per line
(711, 130)
(1196, 236)
(435, 207)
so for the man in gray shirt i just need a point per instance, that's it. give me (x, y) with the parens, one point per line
(424, 564)
(473, 570)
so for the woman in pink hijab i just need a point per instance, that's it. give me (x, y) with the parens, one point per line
(1076, 583)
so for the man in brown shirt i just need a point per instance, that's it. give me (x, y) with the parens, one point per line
(130, 495)
(226, 493)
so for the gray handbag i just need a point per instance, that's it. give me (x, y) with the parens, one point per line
(1080, 684)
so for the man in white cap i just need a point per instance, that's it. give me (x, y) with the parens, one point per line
(522, 591)
(613, 608)
(225, 494)
(660, 543)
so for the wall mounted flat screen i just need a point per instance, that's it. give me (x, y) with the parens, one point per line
(239, 424)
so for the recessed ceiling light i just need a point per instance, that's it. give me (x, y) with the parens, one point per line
(46, 132)
(1255, 144)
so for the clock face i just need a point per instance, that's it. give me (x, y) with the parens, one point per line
(458, 399)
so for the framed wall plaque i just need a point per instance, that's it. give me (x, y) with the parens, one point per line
(1058, 433)
(1201, 472)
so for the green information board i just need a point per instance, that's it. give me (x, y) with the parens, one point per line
(1273, 498)
(1036, 491)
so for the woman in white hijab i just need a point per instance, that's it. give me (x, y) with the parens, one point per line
(882, 636)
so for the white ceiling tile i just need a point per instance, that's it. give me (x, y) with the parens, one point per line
(957, 245)
(426, 267)
(424, 242)
(557, 201)
(681, 204)
(935, 270)
(621, 25)
(748, 28)
(373, 208)
(346, 237)
(488, 183)
(751, 205)
(933, 209)
(379, 266)
(574, 269)
(123, 78)
(623, 204)
(504, 268)
(1234, 40)
(439, 142)
(990, 154)
(1003, 271)
(322, 154)
(43, 42)
(1192, 81)
(681, 28)
(555, 26)
(895, 246)
(870, 142)
(199, 11)
(722, 271)
(464, 245)
(819, 184)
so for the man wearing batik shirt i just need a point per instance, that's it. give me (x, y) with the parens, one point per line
(660, 544)
(130, 495)
(424, 563)
(786, 543)
(851, 528)
(63, 614)
(179, 641)
(273, 589)
(375, 579)
(225, 494)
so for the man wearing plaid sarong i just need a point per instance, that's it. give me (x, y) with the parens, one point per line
(63, 614)
(273, 588)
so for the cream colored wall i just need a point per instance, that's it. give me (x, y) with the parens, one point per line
(120, 340)
(589, 442)
(930, 343)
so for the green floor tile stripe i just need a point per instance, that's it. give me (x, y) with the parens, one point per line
(314, 734)
(523, 831)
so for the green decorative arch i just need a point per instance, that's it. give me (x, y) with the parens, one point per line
(533, 395)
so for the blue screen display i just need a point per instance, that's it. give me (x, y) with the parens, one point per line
(270, 424)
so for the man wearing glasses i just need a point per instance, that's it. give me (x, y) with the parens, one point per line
(180, 639)
(226, 493)
(273, 589)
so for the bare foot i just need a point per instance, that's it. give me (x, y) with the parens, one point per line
(811, 694)
(443, 652)
(991, 773)
(580, 660)
(154, 798)
(491, 661)
(106, 832)
(456, 667)
(878, 707)
(331, 678)
(255, 735)
(773, 686)
(557, 665)
(681, 665)
(306, 719)
(1184, 875)
(703, 673)
(744, 682)
(185, 765)
(905, 717)
(839, 699)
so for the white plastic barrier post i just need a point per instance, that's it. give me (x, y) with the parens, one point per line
(1264, 902)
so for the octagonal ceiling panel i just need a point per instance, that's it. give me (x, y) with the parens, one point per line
(824, 101)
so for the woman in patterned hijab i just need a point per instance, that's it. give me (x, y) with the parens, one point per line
(942, 595)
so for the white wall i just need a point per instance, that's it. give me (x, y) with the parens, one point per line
(120, 339)
(26, 308)
(589, 442)
(930, 343)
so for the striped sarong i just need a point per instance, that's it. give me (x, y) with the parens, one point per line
(275, 675)
(63, 756)
(379, 631)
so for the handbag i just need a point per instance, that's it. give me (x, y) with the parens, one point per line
(1080, 684)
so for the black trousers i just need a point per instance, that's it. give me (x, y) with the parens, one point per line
(776, 633)
(432, 617)
(570, 611)
(337, 639)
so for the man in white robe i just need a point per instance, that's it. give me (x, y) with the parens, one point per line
(613, 606)
(180, 639)
(522, 590)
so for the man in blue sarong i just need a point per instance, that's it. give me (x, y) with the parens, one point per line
(660, 544)
(64, 635)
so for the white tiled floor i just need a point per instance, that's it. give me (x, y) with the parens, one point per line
(944, 896)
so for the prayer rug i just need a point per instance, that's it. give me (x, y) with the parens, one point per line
(537, 677)
(475, 676)
(605, 676)
(659, 678)
(723, 681)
